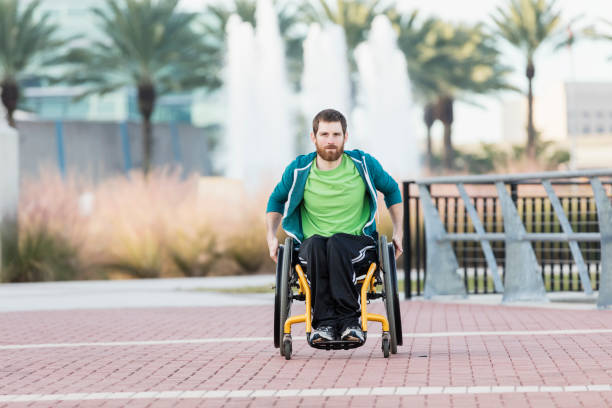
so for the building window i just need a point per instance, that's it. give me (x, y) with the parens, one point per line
(600, 114)
(586, 114)
(600, 129)
(586, 129)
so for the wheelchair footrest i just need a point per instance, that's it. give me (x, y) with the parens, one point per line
(337, 345)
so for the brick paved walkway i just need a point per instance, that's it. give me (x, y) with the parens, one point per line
(47, 359)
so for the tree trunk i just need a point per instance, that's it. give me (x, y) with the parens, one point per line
(449, 153)
(429, 117)
(445, 114)
(146, 105)
(530, 73)
(10, 98)
(147, 145)
(429, 150)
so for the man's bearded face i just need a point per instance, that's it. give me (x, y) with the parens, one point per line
(329, 141)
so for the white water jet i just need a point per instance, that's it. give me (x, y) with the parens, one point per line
(260, 140)
(325, 80)
(240, 94)
(383, 118)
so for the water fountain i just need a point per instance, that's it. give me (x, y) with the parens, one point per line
(325, 80)
(259, 141)
(382, 118)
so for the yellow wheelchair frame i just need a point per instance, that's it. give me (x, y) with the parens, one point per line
(290, 276)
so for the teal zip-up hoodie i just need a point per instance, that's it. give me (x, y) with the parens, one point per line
(289, 192)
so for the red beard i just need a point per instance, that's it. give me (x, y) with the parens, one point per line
(330, 154)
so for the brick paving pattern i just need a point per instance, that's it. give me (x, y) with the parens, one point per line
(450, 365)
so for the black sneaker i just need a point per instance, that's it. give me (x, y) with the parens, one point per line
(353, 333)
(323, 334)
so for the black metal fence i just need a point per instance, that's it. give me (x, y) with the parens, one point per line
(559, 272)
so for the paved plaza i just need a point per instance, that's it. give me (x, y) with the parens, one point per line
(164, 344)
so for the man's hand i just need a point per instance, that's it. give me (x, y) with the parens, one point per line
(396, 212)
(273, 220)
(273, 247)
(397, 243)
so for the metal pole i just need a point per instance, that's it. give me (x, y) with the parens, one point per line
(407, 242)
(59, 139)
(125, 142)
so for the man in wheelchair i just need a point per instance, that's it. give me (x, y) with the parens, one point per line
(327, 202)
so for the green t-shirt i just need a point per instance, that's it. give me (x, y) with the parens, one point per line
(334, 201)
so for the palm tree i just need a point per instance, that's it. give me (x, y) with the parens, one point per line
(425, 87)
(148, 45)
(527, 24)
(214, 24)
(25, 42)
(597, 33)
(448, 62)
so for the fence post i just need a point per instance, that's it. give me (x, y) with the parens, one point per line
(442, 277)
(407, 243)
(604, 216)
(486, 245)
(514, 193)
(567, 228)
(523, 280)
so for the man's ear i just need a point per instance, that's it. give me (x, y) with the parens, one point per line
(346, 136)
(312, 137)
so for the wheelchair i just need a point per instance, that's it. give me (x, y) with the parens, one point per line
(380, 282)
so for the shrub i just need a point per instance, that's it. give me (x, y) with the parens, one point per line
(159, 225)
(38, 254)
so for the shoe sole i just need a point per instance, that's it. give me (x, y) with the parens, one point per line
(352, 338)
(321, 340)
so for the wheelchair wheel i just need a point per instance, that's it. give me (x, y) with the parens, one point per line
(277, 290)
(396, 303)
(389, 299)
(284, 294)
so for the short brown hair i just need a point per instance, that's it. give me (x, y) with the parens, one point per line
(328, 115)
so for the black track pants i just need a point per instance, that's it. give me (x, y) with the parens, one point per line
(333, 265)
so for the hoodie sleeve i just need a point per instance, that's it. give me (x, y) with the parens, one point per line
(383, 182)
(276, 202)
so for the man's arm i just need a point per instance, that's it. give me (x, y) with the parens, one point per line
(397, 214)
(273, 220)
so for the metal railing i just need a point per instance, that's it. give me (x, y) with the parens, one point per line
(519, 245)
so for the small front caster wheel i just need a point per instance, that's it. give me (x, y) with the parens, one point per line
(287, 348)
(386, 345)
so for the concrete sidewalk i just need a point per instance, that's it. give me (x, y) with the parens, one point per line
(188, 292)
(179, 292)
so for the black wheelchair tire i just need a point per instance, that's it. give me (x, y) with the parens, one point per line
(388, 287)
(396, 303)
(287, 348)
(385, 347)
(285, 292)
(277, 290)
